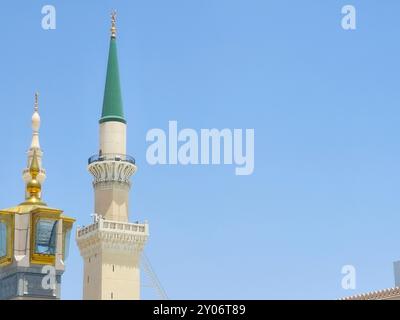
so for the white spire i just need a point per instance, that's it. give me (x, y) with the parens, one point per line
(35, 146)
(35, 125)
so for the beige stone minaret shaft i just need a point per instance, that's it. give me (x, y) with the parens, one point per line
(112, 173)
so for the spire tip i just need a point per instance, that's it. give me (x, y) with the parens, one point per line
(113, 24)
(36, 101)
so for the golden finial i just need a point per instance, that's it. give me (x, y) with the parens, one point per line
(34, 168)
(113, 24)
(36, 101)
(34, 187)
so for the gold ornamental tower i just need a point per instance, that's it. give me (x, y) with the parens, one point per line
(34, 238)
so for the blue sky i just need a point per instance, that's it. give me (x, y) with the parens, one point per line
(324, 104)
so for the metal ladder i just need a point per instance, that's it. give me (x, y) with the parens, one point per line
(153, 277)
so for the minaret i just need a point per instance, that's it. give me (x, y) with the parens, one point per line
(34, 238)
(112, 196)
(111, 246)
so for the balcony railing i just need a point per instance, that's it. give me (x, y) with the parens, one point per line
(106, 225)
(111, 157)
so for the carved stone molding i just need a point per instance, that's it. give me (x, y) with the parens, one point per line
(112, 236)
(112, 171)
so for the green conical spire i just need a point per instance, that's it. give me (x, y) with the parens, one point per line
(112, 103)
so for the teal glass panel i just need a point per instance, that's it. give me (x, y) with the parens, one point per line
(3, 239)
(66, 244)
(46, 234)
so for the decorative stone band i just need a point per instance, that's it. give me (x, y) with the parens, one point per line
(112, 171)
(112, 236)
(386, 294)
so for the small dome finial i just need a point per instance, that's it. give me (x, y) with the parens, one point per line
(113, 24)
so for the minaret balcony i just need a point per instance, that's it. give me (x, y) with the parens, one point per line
(112, 236)
(114, 226)
(111, 157)
(111, 167)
